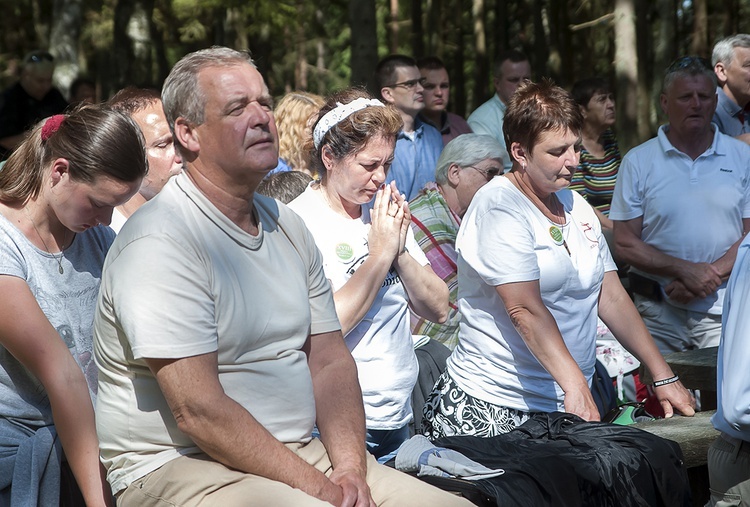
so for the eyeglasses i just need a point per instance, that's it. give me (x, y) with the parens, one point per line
(689, 61)
(410, 84)
(39, 56)
(488, 173)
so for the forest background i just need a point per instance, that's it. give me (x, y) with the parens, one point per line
(324, 45)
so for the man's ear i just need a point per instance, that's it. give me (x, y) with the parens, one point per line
(496, 84)
(721, 73)
(454, 174)
(387, 94)
(187, 135)
(663, 103)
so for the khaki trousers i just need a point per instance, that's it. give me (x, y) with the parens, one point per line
(199, 481)
(675, 329)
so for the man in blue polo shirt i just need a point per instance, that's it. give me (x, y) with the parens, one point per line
(731, 61)
(511, 69)
(418, 145)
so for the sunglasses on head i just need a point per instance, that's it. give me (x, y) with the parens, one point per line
(39, 57)
(689, 61)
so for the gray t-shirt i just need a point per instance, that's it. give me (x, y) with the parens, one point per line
(68, 300)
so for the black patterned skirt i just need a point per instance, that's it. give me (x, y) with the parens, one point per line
(450, 411)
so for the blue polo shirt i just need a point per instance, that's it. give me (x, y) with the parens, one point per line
(415, 158)
(727, 116)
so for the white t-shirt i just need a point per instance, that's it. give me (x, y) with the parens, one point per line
(381, 343)
(691, 209)
(504, 238)
(183, 280)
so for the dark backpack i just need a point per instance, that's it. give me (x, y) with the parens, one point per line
(603, 390)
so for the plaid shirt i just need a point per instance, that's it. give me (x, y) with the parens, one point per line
(435, 228)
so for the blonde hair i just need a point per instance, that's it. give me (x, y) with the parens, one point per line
(292, 114)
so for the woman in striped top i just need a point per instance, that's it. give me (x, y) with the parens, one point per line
(600, 155)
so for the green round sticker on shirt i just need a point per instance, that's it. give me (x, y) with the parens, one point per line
(344, 251)
(556, 234)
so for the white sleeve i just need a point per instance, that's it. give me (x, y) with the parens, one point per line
(162, 299)
(498, 244)
(414, 249)
(627, 201)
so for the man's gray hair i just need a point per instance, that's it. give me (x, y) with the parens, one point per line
(724, 49)
(688, 66)
(181, 95)
(467, 150)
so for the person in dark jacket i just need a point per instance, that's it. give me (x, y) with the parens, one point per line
(29, 100)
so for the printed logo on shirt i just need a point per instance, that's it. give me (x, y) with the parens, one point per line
(391, 278)
(344, 251)
(590, 234)
(725, 170)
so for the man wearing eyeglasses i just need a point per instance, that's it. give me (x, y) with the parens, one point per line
(511, 69)
(418, 145)
(681, 207)
(436, 94)
(29, 100)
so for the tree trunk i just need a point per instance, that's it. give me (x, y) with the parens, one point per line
(626, 73)
(502, 35)
(458, 79)
(121, 59)
(645, 64)
(392, 25)
(160, 51)
(699, 43)
(41, 25)
(480, 52)
(300, 67)
(665, 51)
(436, 28)
(139, 33)
(561, 53)
(417, 30)
(364, 57)
(321, 87)
(539, 60)
(730, 11)
(67, 19)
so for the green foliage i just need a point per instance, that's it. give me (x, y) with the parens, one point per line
(305, 44)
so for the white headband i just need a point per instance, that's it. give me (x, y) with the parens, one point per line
(338, 113)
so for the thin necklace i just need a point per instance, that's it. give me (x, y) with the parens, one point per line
(557, 216)
(62, 253)
(559, 222)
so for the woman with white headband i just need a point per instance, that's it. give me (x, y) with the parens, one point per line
(375, 266)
